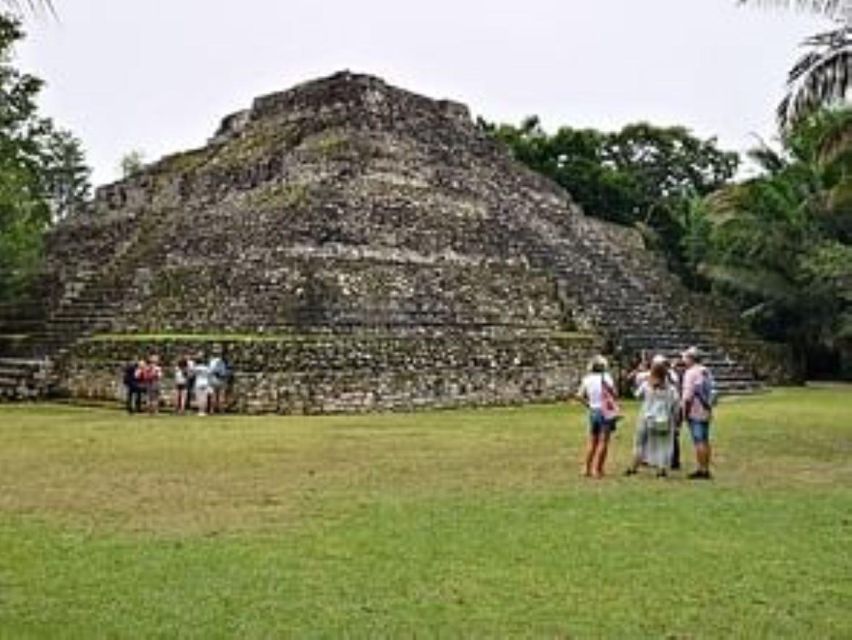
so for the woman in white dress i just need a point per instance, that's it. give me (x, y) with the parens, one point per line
(654, 438)
(202, 387)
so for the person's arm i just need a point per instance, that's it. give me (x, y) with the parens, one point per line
(688, 393)
(582, 394)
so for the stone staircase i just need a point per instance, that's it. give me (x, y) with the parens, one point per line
(23, 379)
(635, 303)
(29, 364)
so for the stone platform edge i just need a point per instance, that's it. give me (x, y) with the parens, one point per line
(351, 373)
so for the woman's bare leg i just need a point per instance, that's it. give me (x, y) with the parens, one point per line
(600, 456)
(591, 448)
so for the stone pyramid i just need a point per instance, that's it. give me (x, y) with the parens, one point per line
(354, 246)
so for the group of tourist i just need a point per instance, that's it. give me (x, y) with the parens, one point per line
(195, 380)
(672, 392)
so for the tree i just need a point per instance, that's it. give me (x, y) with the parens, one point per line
(42, 173)
(642, 175)
(132, 162)
(66, 174)
(24, 212)
(821, 76)
(579, 163)
(780, 243)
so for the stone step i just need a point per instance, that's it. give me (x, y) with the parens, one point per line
(645, 313)
(22, 378)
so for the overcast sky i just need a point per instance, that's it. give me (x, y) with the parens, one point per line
(159, 75)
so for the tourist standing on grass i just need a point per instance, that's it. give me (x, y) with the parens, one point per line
(219, 374)
(654, 439)
(202, 386)
(153, 376)
(190, 382)
(697, 402)
(597, 393)
(676, 371)
(181, 385)
(134, 386)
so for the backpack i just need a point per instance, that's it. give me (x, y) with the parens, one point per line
(220, 369)
(705, 391)
(659, 403)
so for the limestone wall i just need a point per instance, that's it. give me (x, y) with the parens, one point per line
(304, 289)
(329, 374)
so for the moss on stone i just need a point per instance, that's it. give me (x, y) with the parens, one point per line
(255, 142)
(293, 195)
(328, 143)
(185, 162)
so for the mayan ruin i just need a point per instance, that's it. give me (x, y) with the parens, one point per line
(353, 246)
(426, 320)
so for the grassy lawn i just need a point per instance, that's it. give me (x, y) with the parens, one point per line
(450, 524)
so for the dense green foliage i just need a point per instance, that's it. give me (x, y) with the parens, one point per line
(643, 174)
(781, 243)
(778, 244)
(435, 524)
(43, 175)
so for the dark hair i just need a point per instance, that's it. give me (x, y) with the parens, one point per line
(659, 374)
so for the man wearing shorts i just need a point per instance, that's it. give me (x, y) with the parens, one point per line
(698, 411)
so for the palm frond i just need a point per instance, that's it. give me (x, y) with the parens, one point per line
(767, 158)
(831, 8)
(767, 285)
(31, 6)
(819, 78)
(725, 204)
(835, 140)
(839, 199)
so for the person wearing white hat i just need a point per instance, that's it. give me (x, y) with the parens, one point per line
(597, 393)
(697, 405)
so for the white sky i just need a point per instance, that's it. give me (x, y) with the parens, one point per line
(159, 75)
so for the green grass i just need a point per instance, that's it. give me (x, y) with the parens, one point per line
(447, 524)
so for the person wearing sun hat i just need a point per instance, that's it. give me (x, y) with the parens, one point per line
(597, 392)
(697, 405)
(653, 440)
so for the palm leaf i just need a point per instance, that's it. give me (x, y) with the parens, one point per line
(764, 284)
(830, 8)
(835, 141)
(725, 204)
(819, 78)
(839, 199)
(33, 6)
(767, 158)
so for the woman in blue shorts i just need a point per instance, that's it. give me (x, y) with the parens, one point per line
(597, 393)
